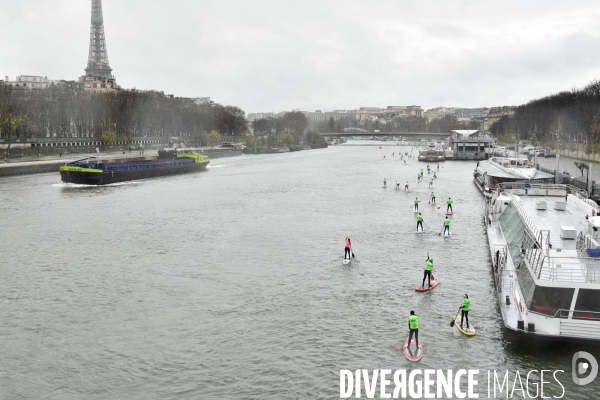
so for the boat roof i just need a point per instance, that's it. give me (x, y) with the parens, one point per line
(564, 262)
(493, 169)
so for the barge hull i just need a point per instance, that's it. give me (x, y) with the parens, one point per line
(108, 177)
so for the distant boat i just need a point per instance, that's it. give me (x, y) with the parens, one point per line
(432, 155)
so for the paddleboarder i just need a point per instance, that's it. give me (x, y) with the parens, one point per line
(416, 204)
(427, 274)
(384, 182)
(432, 198)
(465, 310)
(347, 248)
(449, 208)
(446, 225)
(397, 185)
(419, 222)
(438, 166)
(413, 327)
(406, 186)
(431, 182)
(434, 176)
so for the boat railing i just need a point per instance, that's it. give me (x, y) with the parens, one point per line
(533, 251)
(570, 189)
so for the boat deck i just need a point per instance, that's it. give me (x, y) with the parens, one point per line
(533, 271)
(564, 262)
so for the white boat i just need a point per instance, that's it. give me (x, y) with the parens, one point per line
(542, 238)
(491, 172)
(433, 155)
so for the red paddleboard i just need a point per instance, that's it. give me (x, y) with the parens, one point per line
(434, 283)
(410, 352)
(449, 213)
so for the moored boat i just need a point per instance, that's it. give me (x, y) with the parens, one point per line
(497, 170)
(434, 155)
(546, 270)
(91, 171)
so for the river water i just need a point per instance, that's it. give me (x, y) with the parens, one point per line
(229, 283)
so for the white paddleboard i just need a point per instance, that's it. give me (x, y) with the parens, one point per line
(447, 234)
(418, 231)
(346, 261)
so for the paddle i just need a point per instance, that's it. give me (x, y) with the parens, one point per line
(440, 234)
(452, 323)
(428, 227)
(352, 252)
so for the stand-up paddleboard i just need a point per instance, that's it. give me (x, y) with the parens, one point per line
(419, 231)
(410, 352)
(449, 214)
(465, 331)
(447, 234)
(346, 261)
(385, 187)
(434, 283)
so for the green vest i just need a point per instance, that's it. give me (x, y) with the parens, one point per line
(416, 201)
(449, 201)
(413, 321)
(465, 304)
(419, 217)
(432, 194)
(447, 222)
(428, 265)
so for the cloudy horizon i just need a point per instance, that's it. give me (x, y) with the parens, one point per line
(276, 56)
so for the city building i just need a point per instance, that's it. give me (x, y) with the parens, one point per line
(461, 114)
(30, 82)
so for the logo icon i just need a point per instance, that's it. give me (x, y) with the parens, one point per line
(580, 367)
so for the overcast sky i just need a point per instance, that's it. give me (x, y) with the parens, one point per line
(283, 55)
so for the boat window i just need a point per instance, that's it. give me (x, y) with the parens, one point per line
(587, 300)
(548, 300)
(513, 162)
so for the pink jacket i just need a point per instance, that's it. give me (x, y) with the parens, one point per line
(348, 244)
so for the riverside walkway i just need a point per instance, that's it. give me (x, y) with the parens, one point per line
(34, 165)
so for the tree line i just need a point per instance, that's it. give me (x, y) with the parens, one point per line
(574, 115)
(71, 112)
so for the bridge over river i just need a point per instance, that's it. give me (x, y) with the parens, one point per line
(389, 135)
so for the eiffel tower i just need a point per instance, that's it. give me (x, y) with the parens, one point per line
(98, 59)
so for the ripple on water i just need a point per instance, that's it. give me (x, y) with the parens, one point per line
(229, 283)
